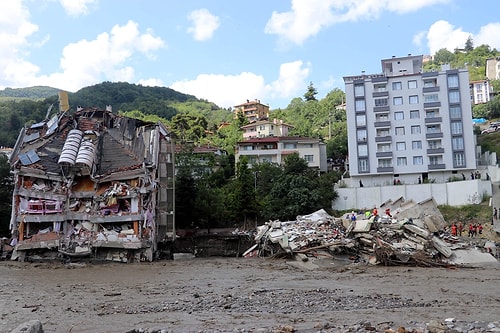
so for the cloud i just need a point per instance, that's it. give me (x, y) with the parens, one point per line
(77, 7)
(230, 90)
(488, 34)
(308, 17)
(151, 82)
(15, 32)
(443, 34)
(88, 62)
(204, 24)
(224, 90)
(292, 78)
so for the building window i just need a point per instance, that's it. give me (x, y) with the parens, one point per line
(418, 160)
(412, 84)
(454, 97)
(415, 129)
(399, 115)
(433, 129)
(457, 143)
(290, 145)
(400, 145)
(383, 132)
(361, 120)
(479, 98)
(435, 160)
(382, 117)
(430, 83)
(361, 135)
(479, 88)
(384, 147)
(307, 145)
(401, 161)
(452, 81)
(381, 102)
(309, 158)
(400, 131)
(456, 127)
(247, 148)
(360, 105)
(434, 144)
(385, 163)
(414, 114)
(455, 112)
(362, 150)
(363, 165)
(413, 99)
(433, 113)
(415, 145)
(431, 98)
(458, 159)
(397, 86)
(397, 100)
(359, 90)
(379, 87)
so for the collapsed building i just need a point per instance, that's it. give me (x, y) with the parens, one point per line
(408, 233)
(92, 183)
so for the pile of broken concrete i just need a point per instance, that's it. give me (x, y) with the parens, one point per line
(412, 234)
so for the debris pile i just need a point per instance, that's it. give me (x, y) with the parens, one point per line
(413, 234)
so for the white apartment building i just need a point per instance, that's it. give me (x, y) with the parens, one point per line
(263, 128)
(274, 149)
(481, 91)
(407, 126)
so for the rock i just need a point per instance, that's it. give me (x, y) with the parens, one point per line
(32, 326)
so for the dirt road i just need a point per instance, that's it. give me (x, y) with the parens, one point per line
(236, 294)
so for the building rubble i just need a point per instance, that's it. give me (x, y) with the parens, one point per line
(405, 233)
(92, 183)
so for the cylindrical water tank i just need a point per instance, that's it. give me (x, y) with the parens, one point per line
(71, 147)
(86, 154)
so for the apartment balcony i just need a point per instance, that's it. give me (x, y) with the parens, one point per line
(385, 123)
(386, 138)
(380, 94)
(436, 166)
(258, 152)
(428, 105)
(430, 89)
(434, 135)
(384, 154)
(432, 120)
(385, 169)
(429, 74)
(384, 108)
(433, 151)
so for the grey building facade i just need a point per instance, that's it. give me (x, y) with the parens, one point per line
(409, 126)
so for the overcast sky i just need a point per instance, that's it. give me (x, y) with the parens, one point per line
(228, 51)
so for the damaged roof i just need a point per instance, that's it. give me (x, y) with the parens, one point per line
(114, 144)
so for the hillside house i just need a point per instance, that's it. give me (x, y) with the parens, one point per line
(92, 183)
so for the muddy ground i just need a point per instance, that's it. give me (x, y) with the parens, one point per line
(237, 294)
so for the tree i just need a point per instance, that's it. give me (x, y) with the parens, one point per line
(443, 56)
(469, 44)
(310, 94)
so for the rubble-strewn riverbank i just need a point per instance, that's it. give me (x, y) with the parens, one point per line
(248, 295)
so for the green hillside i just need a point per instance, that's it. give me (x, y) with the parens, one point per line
(36, 92)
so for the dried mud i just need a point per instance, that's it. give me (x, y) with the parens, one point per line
(236, 294)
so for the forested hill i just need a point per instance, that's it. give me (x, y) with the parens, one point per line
(23, 106)
(36, 92)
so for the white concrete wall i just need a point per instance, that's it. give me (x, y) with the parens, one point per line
(454, 194)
